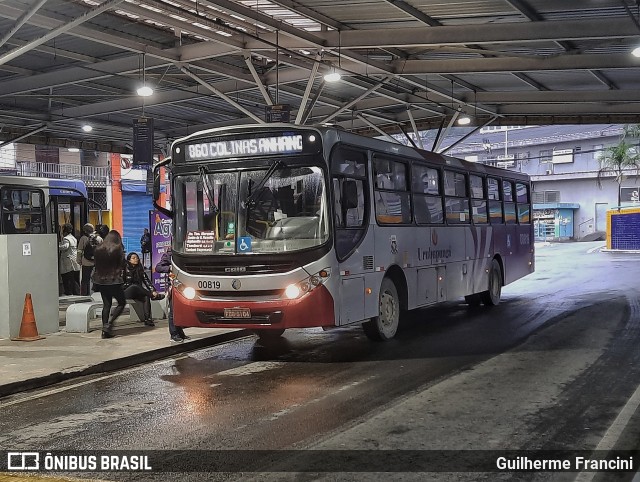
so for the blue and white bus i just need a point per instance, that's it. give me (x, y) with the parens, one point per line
(33, 205)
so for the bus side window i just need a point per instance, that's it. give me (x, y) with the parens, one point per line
(426, 195)
(456, 200)
(509, 205)
(22, 211)
(522, 197)
(478, 203)
(495, 203)
(392, 200)
(349, 180)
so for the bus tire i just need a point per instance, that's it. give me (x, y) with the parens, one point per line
(473, 300)
(384, 326)
(267, 334)
(491, 297)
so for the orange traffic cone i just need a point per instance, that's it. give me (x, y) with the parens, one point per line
(28, 327)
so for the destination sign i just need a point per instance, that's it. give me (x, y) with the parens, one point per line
(243, 147)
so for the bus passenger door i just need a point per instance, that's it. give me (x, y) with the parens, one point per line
(69, 210)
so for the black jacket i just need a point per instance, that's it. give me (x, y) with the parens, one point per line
(134, 274)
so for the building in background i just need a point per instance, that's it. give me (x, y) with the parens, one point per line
(563, 162)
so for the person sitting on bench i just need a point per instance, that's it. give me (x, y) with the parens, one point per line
(137, 286)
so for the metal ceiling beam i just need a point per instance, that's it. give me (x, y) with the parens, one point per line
(312, 14)
(185, 26)
(414, 12)
(87, 33)
(517, 64)
(415, 129)
(256, 77)
(94, 12)
(307, 90)
(576, 109)
(221, 94)
(22, 20)
(76, 75)
(548, 31)
(564, 96)
(376, 128)
(24, 136)
(258, 16)
(371, 89)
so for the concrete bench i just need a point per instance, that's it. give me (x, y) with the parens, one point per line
(79, 314)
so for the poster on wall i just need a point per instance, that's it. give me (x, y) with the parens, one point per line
(160, 243)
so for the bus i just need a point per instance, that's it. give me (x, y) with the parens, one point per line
(279, 226)
(33, 205)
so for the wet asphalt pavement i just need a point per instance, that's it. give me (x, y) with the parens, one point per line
(549, 368)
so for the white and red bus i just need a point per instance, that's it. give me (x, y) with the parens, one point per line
(279, 226)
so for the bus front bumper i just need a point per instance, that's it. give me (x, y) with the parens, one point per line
(314, 309)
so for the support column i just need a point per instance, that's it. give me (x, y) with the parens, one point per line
(116, 194)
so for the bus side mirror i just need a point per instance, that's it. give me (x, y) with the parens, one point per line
(349, 194)
(156, 187)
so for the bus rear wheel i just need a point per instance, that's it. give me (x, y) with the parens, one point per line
(491, 297)
(384, 326)
(267, 334)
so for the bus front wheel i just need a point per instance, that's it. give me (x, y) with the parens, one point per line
(491, 297)
(384, 326)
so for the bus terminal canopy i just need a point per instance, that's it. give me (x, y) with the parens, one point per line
(404, 65)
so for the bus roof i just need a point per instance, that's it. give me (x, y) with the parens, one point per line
(56, 187)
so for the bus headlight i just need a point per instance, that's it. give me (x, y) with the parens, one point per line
(189, 293)
(292, 292)
(307, 285)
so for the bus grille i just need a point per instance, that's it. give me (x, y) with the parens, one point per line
(217, 318)
(197, 267)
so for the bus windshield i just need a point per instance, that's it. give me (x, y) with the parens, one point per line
(260, 211)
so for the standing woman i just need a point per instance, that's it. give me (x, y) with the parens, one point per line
(108, 279)
(69, 267)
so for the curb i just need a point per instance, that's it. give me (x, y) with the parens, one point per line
(120, 363)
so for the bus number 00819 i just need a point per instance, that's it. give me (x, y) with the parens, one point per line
(209, 285)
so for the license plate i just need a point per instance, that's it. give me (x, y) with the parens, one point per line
(237, 313)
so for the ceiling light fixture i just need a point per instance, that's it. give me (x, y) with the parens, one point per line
(87, 128)
(332, 76)
(636, 52)
(464, 120)
(73, 149)
(144, 90)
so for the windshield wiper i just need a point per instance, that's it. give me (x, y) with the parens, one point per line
(253, 196)
(208, 188)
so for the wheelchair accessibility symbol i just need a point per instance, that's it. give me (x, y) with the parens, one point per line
(244, 244)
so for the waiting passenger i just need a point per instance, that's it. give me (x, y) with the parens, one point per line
(137, 286)
(69, 267)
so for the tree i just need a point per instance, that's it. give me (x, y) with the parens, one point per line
(621, 159)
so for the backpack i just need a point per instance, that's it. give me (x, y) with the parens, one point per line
(89, 248)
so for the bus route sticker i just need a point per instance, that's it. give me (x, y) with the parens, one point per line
(200, 241)
(394, 244)
(244, 244)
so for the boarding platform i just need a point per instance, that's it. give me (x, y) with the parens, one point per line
(59, 356)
